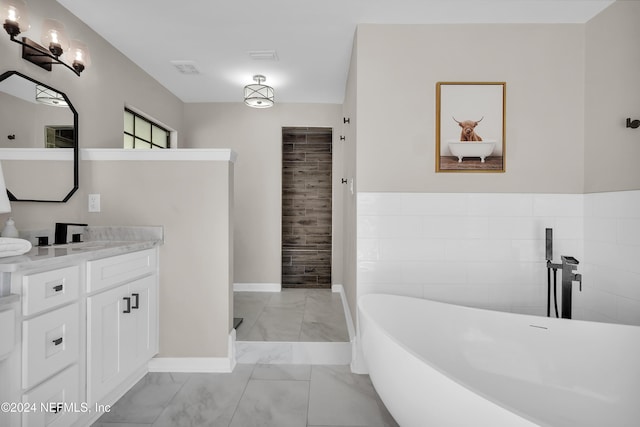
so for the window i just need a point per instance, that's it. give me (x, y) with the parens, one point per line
(140, 132)
(59, 137)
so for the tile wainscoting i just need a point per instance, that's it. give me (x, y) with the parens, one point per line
(482, 250)
(611, 275)
(488, 250)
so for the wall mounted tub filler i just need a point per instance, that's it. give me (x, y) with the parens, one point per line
(569, 264)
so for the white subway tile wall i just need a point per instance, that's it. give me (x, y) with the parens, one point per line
(488, 250)
(611, 283)
(483, 250)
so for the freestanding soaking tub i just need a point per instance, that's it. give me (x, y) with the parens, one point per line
(436, 364)
(471, 149)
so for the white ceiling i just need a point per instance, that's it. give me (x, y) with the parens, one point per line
(313, 39)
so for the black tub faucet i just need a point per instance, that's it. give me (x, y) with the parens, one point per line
(60, 235)
(569, 264)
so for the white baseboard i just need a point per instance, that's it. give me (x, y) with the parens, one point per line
(347, 311)
(257, 287)
(198, 364)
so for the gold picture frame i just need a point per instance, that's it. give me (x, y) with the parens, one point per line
(470, 126)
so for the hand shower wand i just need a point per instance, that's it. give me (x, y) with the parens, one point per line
(555, 267)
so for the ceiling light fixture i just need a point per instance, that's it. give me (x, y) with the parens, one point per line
(45, 95)
(258, 95)
(15, 19)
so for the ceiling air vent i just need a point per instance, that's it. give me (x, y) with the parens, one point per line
(263, 55)
(186, 67)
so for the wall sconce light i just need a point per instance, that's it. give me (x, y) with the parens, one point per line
(16, 20)
(633, 124)
(258, 95)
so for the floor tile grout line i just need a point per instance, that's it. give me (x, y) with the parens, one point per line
(244, 390)
(260, 313)
(309, 396)
(173, 397)
(304, 312)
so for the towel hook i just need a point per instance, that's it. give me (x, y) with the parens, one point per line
(633, 124)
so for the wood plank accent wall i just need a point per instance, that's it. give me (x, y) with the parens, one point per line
(306, 207)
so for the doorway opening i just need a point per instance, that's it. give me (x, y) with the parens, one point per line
(306, 207)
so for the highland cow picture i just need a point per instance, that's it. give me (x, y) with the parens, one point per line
(470, 126)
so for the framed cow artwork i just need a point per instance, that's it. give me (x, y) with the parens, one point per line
(470, 126)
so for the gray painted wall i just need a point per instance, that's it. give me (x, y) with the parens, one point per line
(399, 66)
(612, 93)
(256, 135)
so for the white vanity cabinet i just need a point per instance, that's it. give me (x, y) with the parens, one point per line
(87, 326)
(122, 321)
(121, 335)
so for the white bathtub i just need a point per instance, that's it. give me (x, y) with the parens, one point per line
(436, 364)
(471, 149)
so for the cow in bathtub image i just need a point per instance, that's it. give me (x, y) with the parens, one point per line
(470, 144)
(470, 126)
(468, 132)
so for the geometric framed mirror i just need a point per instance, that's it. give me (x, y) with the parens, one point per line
(38, 140)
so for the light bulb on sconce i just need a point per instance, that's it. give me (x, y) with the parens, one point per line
(79, 55)
(15, 17)
(54, 39)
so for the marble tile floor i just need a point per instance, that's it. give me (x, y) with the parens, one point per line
(252, 395)
(292, 315)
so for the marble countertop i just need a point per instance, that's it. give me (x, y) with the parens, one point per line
(9, 299)
(101, 242)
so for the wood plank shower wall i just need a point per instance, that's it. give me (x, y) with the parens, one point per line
(306, 207)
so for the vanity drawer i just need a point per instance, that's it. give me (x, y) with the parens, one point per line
(105, 272)
(49, 343)
(63, 388)
(42, 291)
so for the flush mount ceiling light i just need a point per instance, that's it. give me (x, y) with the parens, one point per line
(47, 96)
(13, 14)
(258, 95)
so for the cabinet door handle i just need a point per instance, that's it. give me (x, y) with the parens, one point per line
(57, 341)
(57, 288)
(136, 297)
(128, 309)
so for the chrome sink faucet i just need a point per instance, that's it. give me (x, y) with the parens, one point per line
(569, 264)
